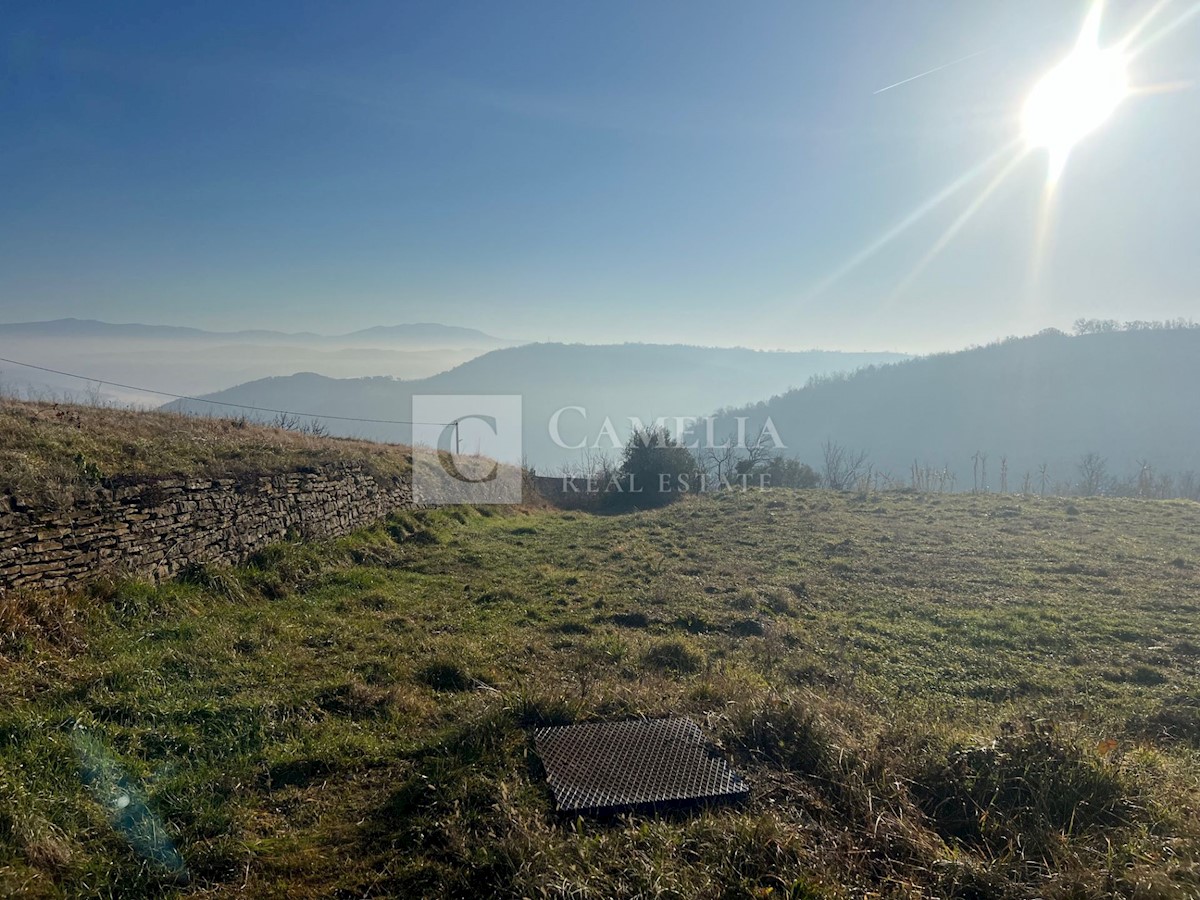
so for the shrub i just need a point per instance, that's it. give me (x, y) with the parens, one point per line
(655, 470)
(786, 472)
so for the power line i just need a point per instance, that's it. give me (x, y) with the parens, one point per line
(266, 409)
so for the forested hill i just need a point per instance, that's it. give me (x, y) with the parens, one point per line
(601, 381)
(1129, 396)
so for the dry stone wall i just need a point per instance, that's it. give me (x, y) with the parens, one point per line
(157, 528)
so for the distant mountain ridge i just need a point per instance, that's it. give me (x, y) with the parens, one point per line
(423, 332)
(190, 361)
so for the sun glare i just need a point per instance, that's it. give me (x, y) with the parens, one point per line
(1075, 97)
(1067, 104)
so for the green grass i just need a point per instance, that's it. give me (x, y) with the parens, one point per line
(51, 454)
(940, 696)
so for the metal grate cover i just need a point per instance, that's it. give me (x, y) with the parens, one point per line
(611, 765)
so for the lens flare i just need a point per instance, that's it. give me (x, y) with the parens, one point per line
(1075, 97)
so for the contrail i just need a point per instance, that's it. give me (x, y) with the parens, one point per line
(930, 72)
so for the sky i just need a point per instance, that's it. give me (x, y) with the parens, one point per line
(688, 171)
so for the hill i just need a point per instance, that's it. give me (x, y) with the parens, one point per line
(1049, 399)
(616, 381)
(50, 452)
(956, 696)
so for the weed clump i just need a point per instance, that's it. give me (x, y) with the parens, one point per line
(282, 567)
(674, 656)
(445, 675)
(500, 595)
(533, 710)
(747, 628)
(693, 623)
(416, 528)
(32, 619)
(785, 733)
(425, 538)
(1022, 790)
(125, 600)
(571, 628)
(1176, 721)
(360, 701)
(219, 582)
(745, 601)
(630, 620)
(38, 840)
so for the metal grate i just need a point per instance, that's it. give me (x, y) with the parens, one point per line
(612, 765)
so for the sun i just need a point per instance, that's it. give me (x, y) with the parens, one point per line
(1068, 103)
(1075, 97)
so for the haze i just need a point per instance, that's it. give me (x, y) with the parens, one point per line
(670, 172)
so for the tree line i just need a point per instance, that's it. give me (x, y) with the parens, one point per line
(655, 468)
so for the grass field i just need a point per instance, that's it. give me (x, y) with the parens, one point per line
(53, 453)
(942, 696)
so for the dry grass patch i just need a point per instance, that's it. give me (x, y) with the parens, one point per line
(54, 453)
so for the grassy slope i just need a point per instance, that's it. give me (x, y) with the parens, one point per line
(937, 696)
(51, 453)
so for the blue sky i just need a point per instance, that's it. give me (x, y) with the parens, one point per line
(667, 171)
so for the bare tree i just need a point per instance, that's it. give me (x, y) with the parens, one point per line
(926, 477)
(300, 424)
(1145, 478)
(734, 460)
(1044, 475)
(716, 462)
(842, 468)
(595, 464)
(947, 477)
(1189, 485)
(757, 455)
(93, 395)
(1164, 486)
(1093, 474)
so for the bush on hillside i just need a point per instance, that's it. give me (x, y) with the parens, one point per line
(655, 470)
